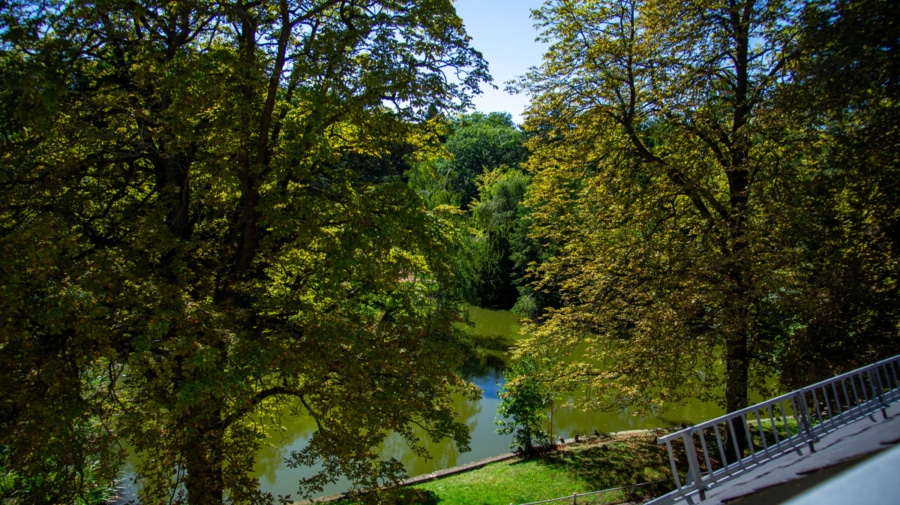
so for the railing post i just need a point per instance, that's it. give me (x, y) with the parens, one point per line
(893, 379)
(879, 392)
(672, 464)
(693, 463)
(806, 422)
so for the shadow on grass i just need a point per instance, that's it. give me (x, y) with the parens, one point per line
(396, 496)
(616, 463)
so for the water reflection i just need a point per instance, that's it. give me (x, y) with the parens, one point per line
(494, 332)
(490, 383)
(292, 434)
(568, 422)
(491, 335)
(442, 453)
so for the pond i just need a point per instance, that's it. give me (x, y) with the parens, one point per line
(494, 332)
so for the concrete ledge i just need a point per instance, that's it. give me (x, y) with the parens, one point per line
(418, 479)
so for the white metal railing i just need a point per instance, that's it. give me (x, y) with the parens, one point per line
(720, 448)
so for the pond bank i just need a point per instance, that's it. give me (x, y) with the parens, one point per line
(584, 443)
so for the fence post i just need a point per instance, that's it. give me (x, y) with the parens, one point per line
(575, 499)
(806, 421)
(879, 390)
(693, 475)
(693, 463)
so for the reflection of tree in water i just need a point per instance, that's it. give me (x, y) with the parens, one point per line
(489, 338)
(279, 442)
(485, 354)
(443, 453)
(568, 421)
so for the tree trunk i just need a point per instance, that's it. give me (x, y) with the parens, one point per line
(737, 363)
(737, 348)
(203, 462)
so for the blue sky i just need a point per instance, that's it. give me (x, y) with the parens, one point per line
(504, 33)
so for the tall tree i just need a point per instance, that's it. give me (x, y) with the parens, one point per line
(192, 236)
(650, 170)
(496, 214)
(477, 143)
(477, 172)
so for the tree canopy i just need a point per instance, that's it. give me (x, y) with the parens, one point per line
(477, 143)
(497, 215)
(678, 192)
(478, 173)
(204, 226)
(845, 89)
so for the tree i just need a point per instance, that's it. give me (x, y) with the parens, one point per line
(524, 400)
(203, 226)
(478, 143)
(496, 214)
(716, 180)
(478, 150)
(650, 174)
(432, 180)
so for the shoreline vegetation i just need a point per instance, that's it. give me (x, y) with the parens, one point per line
(612, 460)
(623, 467)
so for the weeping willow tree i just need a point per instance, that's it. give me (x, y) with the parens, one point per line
(496, 214)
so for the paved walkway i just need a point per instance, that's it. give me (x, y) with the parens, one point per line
(844, 446)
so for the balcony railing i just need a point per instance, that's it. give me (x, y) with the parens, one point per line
(716, 450)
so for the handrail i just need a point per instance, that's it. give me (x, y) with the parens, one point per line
(817, 409)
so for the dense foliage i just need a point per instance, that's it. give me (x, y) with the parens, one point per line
(204, 225)
(845, 95)
(524, 400)
(716, 181)
(215, 214)
(479, 175)
(478, 143)
(497, 216)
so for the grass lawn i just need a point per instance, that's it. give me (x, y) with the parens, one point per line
(513, 481)
(585, 467)
(575, 468)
